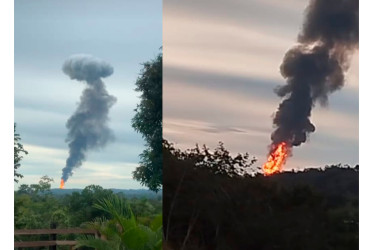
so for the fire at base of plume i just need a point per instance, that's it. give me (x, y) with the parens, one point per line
(88, 126)
(313, 69)
(276, 159)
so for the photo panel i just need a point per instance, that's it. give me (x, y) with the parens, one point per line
(88, 124)
(260, 124)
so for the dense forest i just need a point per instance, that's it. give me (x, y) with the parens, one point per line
(212, 200)
(37, 207)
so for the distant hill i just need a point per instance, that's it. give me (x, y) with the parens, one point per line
(129, 193)
(309, 209)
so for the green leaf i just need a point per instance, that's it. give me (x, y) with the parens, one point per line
(135, 238)
(98, 244)
(156, 223)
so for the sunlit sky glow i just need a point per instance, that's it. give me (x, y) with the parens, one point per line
(221, 66)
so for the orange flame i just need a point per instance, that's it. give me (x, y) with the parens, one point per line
(62, 184)
(276, 159)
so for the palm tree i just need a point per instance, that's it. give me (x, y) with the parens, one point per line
(122, 231)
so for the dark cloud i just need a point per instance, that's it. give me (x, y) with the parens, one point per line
(86, 68)
(238, 99)
(334, 22)
(88, 127)
(316, 67)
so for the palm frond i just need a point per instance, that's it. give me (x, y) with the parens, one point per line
(123, 231)
(119, 210)
(99, 244)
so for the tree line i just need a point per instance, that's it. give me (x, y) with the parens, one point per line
(35, 207)
(210, 204)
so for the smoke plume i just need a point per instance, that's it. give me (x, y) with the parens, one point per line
(87, 127)
(315, 67)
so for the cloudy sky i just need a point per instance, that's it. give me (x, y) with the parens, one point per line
(221, 65)
(124, 34)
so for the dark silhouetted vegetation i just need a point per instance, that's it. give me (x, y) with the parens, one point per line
(209, 204)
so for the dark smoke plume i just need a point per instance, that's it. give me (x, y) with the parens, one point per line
(88, 125)
(315, 67)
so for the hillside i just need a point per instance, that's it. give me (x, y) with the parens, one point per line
(313, 209)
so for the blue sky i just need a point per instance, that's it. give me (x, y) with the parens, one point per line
(124, 34)
(221, 65)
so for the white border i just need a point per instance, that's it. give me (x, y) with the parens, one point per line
(366, 124)
(6, 124)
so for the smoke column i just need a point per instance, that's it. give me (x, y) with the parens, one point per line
(315, 67)
(87, 127)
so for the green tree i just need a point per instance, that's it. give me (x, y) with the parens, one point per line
(44, 186)
(18, 150)
(34, 205)
(148, 121)
(80, 204)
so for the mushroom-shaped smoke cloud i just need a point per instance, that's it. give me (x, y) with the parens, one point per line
(87, 127)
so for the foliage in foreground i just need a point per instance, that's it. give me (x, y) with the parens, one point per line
(311, 209)
(35, 207)
(122, 231)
